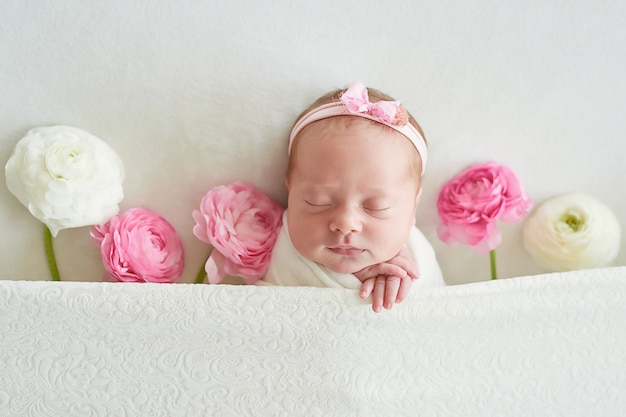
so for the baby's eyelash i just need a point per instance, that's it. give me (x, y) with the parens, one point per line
(316, 204)
(376, 208)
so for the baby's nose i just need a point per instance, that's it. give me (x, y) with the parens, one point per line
(346, 220)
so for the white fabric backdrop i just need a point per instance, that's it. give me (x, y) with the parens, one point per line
(198, 93)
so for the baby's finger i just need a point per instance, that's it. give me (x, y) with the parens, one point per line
(406, 263)
(367, 287)
(405, 288)
(385, 268)
(378, 294)
(391, 291)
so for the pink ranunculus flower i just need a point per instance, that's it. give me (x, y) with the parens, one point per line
(242, 224)
(139, 246)
(470, 204)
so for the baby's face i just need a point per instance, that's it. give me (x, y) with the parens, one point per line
(352, 193)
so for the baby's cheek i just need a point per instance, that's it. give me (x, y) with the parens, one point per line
(301, 238)
(391, 241)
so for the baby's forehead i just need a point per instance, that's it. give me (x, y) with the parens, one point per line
(337, 137)
(350, 125)
(327, 131)
(349, 122)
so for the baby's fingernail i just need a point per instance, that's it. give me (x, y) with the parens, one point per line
(376, 308)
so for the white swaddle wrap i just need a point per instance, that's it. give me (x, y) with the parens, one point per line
(289, 268)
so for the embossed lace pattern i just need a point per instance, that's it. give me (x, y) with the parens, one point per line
(547, 345)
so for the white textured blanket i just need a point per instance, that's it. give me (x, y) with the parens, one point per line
(549, 345)
(288, 267)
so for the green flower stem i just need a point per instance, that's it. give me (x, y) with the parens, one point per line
(202, 273)
(492, 261)
(52, 262)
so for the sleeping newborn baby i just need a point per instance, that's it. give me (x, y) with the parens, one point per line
(354, 181)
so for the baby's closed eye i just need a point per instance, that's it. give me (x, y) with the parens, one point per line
(376, 208)
(376, 205)
(318, 203)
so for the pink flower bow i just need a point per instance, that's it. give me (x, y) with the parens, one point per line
(357, 100)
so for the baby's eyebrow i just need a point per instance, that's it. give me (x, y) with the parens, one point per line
(371, 192)
(321, 187)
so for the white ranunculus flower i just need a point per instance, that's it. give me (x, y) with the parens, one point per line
(66, 177)
(572, 231)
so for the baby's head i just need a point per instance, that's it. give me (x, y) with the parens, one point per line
(354, 179)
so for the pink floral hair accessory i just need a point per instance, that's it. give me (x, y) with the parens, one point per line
(355, 102)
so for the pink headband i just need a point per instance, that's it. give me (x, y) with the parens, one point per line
(355, 102)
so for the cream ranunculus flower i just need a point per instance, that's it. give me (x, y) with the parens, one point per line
(572, 231)
(66, 177)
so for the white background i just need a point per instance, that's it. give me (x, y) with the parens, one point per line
(199, 93)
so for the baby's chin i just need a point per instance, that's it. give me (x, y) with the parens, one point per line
(346, 267)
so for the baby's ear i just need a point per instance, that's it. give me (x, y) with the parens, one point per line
(418, 196)
(287, 183)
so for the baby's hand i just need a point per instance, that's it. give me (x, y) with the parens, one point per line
(389, 282)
